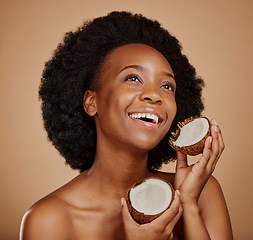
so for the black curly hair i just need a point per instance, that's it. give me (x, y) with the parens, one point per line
(76, 63)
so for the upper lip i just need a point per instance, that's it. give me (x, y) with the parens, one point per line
(148, 113)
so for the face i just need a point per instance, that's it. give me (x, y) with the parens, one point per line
(135, 102)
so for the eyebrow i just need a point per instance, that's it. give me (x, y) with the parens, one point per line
(138, 67)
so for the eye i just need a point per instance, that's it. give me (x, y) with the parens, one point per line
(133, 78)
(169, 86)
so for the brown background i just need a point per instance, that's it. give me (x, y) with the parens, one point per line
(217, 37)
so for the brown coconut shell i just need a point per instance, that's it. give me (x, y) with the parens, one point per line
(193, 149)
(142, 218)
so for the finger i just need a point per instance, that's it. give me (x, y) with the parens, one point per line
(216, 150)
(169, 228)
(170, 213)
(221, 146)
(215, 134)
(220, 139)
(171, 236)
(201, 165)
(181, 160)
(128, 221)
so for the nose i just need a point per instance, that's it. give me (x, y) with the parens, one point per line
(150, 95)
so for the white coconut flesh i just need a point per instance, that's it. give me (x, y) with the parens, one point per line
(193, 132)
(151, 197)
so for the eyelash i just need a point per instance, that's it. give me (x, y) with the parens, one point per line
(134, 78)
(130, 78)
(170, 87)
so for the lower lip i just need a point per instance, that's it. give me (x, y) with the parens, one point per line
(152, 126)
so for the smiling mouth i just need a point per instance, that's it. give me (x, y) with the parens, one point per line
(146, 117)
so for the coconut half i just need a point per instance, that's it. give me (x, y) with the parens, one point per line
(149, 198)
(191, 135)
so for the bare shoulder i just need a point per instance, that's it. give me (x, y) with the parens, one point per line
(46, 219)
(213, 209)
(54, 216)
(211, 192)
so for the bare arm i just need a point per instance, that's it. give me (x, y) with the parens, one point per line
(200, 216)
(210, 217)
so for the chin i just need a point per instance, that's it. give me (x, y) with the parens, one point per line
(145, 145)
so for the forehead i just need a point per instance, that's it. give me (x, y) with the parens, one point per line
(135, 53)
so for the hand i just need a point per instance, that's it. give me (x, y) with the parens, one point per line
(159, 229)
(190, 180)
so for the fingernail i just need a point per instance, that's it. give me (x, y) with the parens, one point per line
(215, 122)
(215, 128)
(210, 139)
(178, 192)
(122, 202)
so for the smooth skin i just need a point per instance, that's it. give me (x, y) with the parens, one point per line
(135, 78)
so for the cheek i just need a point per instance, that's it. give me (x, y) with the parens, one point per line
(171, 109)
(171, 105)
(113, 105)
(174, 108)
(122, 99)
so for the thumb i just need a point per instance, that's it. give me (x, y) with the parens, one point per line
(181, 160)
(127, 219)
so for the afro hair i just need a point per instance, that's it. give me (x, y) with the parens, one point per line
(72, 70)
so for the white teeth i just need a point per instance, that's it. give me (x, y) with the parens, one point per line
(154, 117)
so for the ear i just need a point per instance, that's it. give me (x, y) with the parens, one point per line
(89, 102)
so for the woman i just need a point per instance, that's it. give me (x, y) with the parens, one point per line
(99, 78)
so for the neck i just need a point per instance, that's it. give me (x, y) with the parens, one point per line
(117, 170)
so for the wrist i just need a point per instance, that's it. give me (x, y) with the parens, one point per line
(192, 207)
(188, 201)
